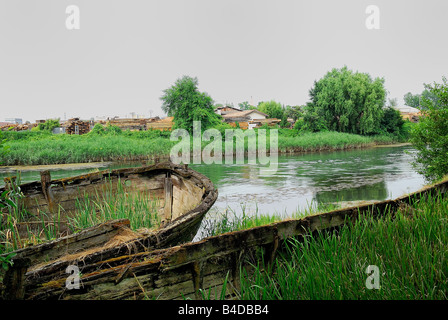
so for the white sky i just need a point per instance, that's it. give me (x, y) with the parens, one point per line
(127, 52)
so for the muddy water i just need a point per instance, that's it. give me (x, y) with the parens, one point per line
(301, 180)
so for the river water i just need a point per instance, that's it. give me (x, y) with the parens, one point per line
(300, 181)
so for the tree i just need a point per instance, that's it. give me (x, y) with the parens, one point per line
(415, 100)
(294, 112)
(186, 104)
(272, 109)
(347, 101)
(244, 105)
(412, 100)
(430, 135)
(392, 122)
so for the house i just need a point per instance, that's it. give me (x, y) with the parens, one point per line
(246, 115)
(247, 119)
(14, 120)
(226, 110)
(410, 113)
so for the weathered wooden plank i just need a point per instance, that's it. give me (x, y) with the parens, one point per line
(85, 239)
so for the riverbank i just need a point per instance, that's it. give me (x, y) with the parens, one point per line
(30, 148)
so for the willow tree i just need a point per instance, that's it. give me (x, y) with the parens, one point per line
(347, 101)
(186, 104)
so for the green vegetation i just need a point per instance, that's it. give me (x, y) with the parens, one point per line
(186, 104)
(346, 101)
(109, 144)
(30, 148)
(3, 147)
(139, 207)
(329, 140)
(409, 248)
(48, 125)
(418, 100)
(430, 135)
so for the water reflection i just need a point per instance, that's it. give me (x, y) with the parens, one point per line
(370, 174)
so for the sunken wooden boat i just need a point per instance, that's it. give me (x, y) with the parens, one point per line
(182, 271)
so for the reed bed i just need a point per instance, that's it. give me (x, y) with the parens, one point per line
(139, 207)
(36, 148)
(410, 248)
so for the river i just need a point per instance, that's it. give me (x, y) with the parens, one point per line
(301, 180)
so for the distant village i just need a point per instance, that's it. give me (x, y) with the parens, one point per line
(244, 119)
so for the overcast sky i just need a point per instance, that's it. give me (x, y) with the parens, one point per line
(127, 52)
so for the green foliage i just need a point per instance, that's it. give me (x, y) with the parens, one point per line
(412, 100)
(98, 129)
(392, 122)
(6, 262)
(346, 101)
(186, 104)
(294, 112)
(417, 100)
(312, 121)
(49, 125)
(112, 129)
(244, 105)
(272, 109)
(430, 135)
(3, 148)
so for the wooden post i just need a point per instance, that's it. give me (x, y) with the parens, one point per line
(14, 279)
(168, 197)
(197, 277)
(45, 180)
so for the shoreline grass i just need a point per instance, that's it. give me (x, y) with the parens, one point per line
(31, 148)
(410, 248)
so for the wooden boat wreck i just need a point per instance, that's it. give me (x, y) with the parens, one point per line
(181, 271)
(183, 196)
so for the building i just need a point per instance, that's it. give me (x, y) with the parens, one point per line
(247, 119)
(410, 113)
(246, 115)
(226, 110)
(14, 120)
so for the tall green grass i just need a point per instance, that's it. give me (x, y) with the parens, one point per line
(76, 149)
(140, 208)
(410, 249)
(37, 148)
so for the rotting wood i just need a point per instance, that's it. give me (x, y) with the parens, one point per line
(45, 180)
(168, 209)
(14, 280)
